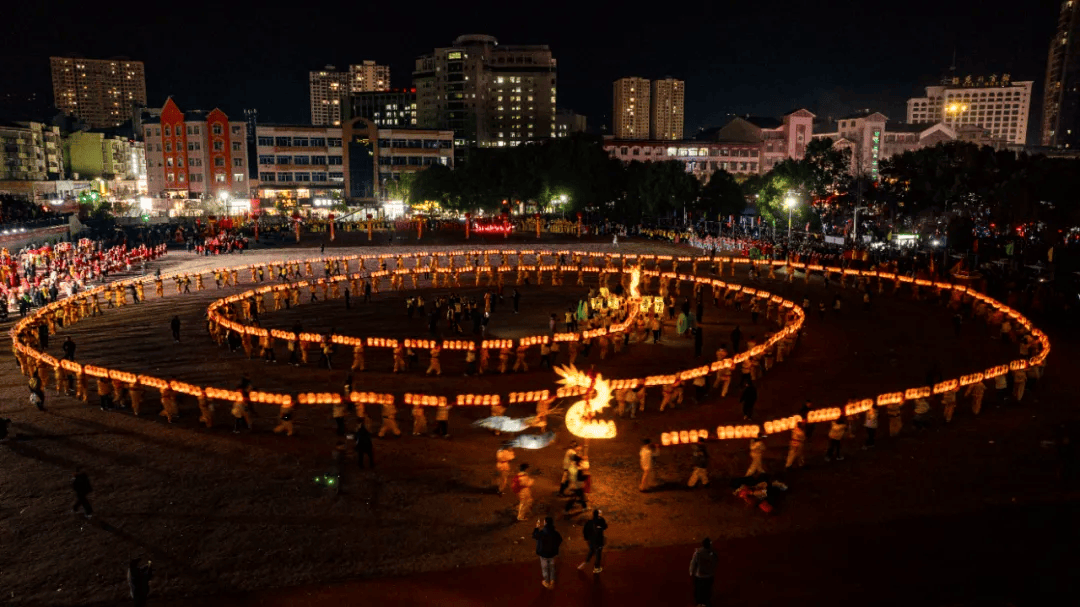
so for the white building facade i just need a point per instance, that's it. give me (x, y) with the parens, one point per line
(999, 105)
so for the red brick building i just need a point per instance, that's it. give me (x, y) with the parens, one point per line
(196, 154)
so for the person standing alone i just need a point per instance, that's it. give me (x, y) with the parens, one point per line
(703, 571)
(594, 535)
(81, 484)
(548, 541)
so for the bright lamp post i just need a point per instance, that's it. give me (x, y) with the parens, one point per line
(790, 203)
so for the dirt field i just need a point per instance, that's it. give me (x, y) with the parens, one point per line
(221, 513)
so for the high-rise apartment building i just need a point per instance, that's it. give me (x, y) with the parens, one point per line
(330, 89)
(998, 105)
(666, 109)
(102, 92)
(488, 94)
(630, 112)
(1061, 97)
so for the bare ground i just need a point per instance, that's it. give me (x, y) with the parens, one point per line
(222, 513)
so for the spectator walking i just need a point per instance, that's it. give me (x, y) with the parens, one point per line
(646, 455)
(594, 536)
(81, 484)
(703, 571)
(748, 398)
(69, 348)
(548, 541)
(363, 445)
(174, 324)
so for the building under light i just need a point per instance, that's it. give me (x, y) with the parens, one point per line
(997, 104)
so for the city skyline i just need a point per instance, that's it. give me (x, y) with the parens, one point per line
(728, 72)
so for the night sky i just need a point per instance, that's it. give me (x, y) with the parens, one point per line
(760, 58)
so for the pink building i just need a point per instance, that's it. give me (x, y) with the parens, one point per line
(744, 146)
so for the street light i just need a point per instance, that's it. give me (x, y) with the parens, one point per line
(790, 203)
(955, 109)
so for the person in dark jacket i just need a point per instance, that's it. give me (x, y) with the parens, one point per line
(69, 349)
(748, 398)
(174, 325)
(81, 484)
(594, 535)
(736, 337)
(363, 445)
(703, 572)
(139, 581)
(548, 541)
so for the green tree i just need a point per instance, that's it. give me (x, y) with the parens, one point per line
(721, 196)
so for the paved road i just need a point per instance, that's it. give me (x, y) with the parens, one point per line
(1014, 555)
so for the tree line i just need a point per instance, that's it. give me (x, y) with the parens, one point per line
(968, 183)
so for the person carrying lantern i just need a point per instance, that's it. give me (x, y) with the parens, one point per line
(389, 422)
(522, 487)
(503, 457)
(419, 420)
(976, 391)
(757, 452)
(434, 366)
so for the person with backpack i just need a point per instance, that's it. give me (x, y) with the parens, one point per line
(548, 541)
(521, 485)
(594, 535)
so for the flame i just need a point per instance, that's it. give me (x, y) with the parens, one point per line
(578, 416)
